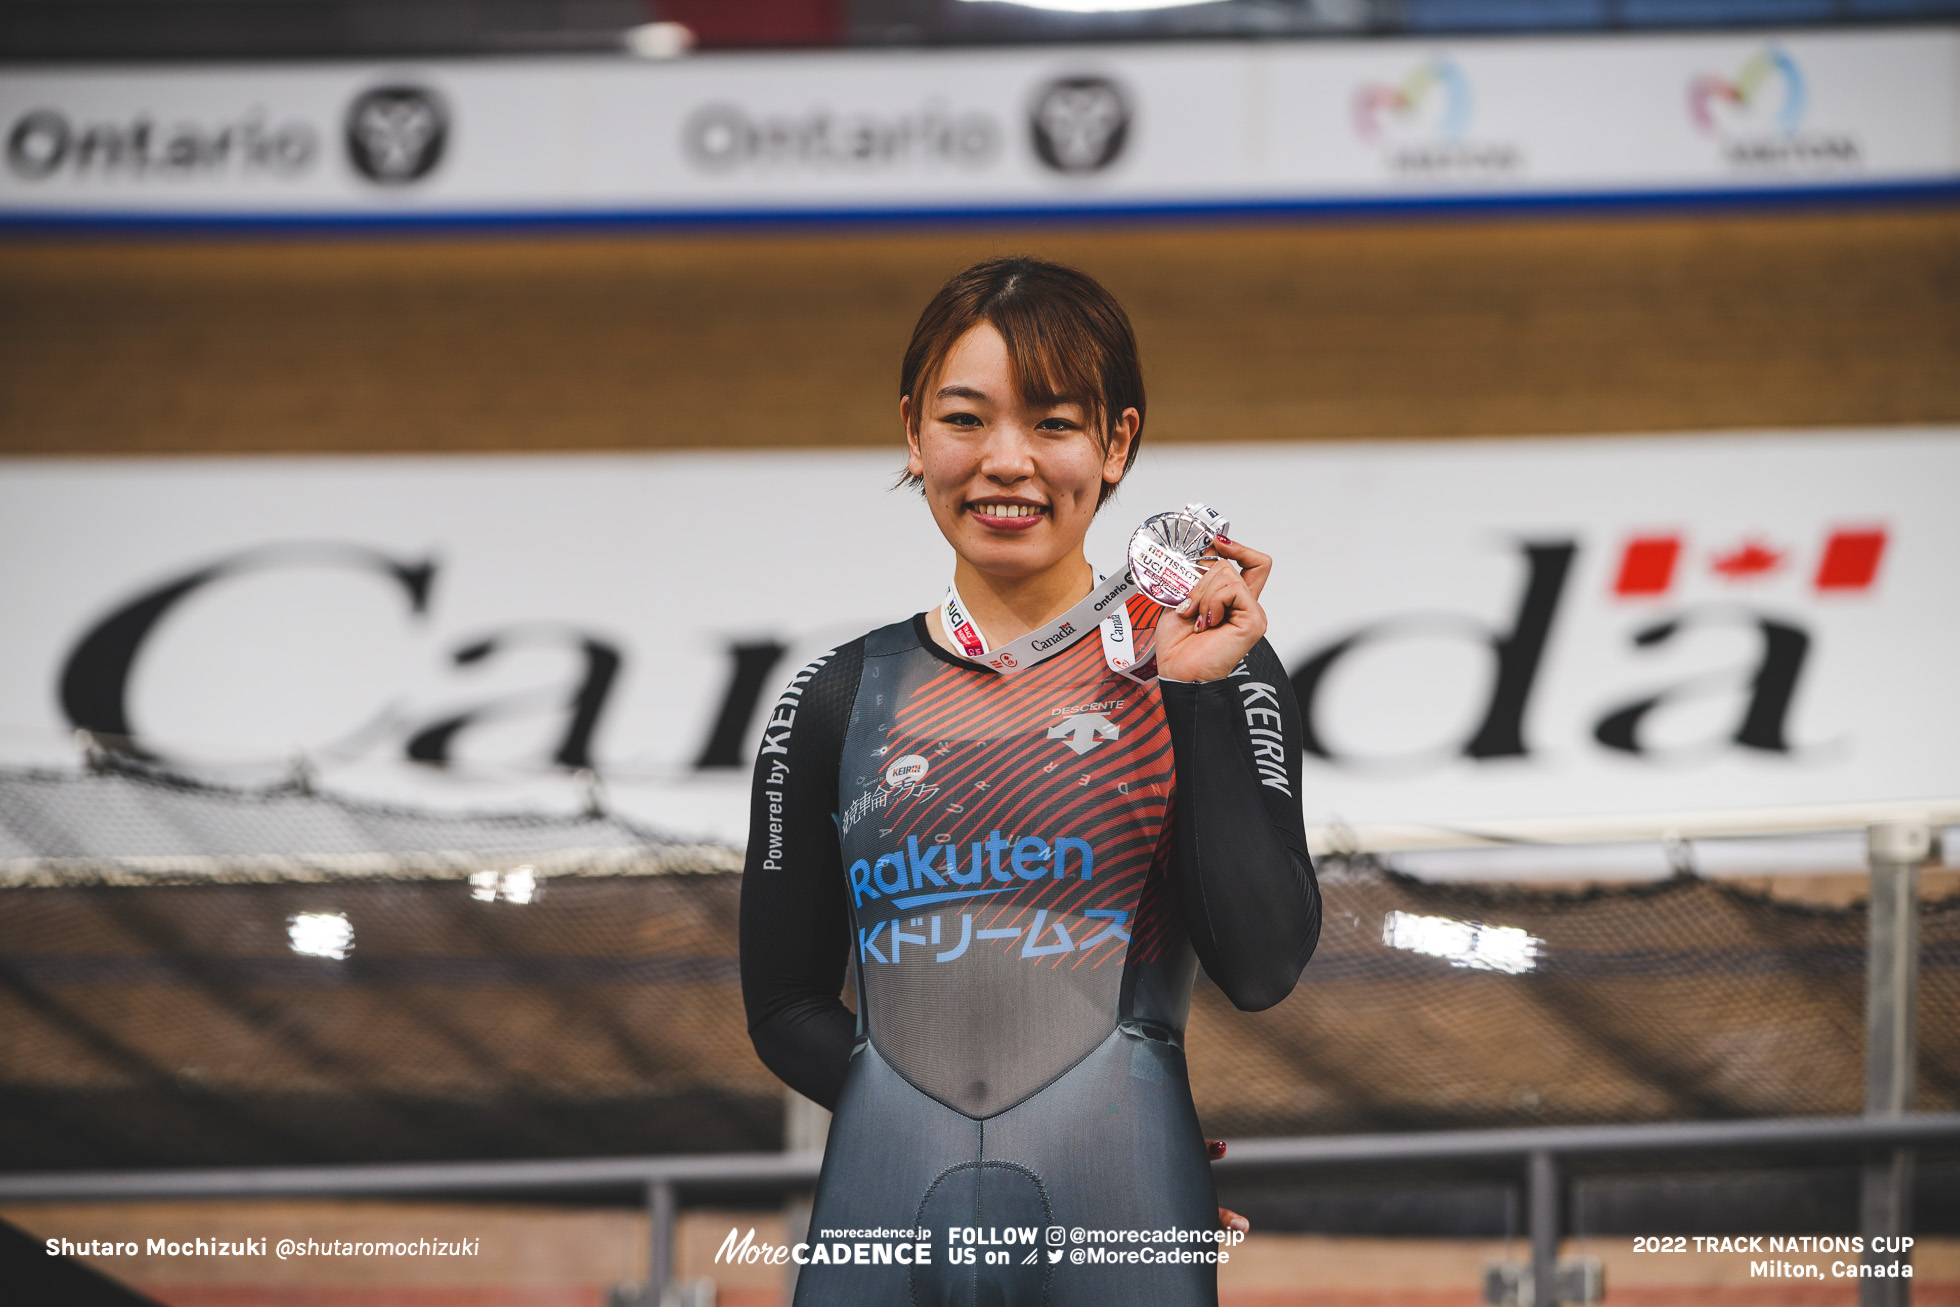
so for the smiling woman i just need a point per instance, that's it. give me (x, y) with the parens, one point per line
(1066, 342)
(1022, 402)
(1062, 798)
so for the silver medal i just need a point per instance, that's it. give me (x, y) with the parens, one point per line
(1165, 550)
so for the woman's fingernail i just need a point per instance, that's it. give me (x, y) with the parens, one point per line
(1184, 609)
(1227, 539)
(1242, 1225)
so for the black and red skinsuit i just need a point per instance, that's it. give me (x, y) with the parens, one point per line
(1027, 870)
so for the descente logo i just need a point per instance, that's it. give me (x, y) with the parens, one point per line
(44, 144)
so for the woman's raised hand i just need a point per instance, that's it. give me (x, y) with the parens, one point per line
(1207, 635)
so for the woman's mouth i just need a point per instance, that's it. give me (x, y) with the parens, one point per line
(1007, 515)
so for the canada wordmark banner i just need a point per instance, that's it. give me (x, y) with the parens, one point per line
(1476, 630)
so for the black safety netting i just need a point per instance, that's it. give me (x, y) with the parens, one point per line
(373, 984)
(124, 822)
(1434, 1005)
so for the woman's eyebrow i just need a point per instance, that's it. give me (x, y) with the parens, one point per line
(959, 392)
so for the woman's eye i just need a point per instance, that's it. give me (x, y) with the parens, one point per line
(1055, 424)
(961, 420)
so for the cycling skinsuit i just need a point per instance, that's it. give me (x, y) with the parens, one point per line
(1026, 871)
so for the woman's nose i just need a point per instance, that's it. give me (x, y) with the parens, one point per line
(1009, 454)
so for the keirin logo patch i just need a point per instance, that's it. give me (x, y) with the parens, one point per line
(908, 770)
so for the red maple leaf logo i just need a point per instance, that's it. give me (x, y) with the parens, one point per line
(1851, 558)
(1647, 566)
(1753, 558)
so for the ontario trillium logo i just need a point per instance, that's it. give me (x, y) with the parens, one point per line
(396, 134)
(1421, 124)
(1758, 116)
(1080, 124)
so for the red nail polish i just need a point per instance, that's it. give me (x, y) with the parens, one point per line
(1228, 540)
(1216, 1147)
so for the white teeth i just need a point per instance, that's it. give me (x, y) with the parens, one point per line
(1009, 510)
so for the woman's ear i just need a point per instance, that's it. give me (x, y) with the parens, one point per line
(1122, 438)
(915, 464)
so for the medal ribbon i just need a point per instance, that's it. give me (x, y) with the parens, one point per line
(1104, 606)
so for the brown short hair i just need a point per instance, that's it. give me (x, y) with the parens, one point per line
(1068, 340)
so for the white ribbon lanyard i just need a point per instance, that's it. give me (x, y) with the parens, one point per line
(1105, 606)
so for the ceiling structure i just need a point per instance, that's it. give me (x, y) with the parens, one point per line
(41, 30)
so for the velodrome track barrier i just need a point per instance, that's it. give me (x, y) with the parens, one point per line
(1542, 1152)
(1900, 842)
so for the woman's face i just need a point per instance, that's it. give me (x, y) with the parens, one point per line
(1012, 485)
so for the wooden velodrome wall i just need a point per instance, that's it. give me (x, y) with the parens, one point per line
(1279, 331)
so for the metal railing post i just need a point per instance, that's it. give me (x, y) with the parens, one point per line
(660, 1240)
(1542, 1215)
(1891, 1003)
(806, 1128)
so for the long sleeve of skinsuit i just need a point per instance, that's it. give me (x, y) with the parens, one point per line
(1245, 883)
(795, 933)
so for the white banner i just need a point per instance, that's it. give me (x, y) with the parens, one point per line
(1479, 631)
(1073, 128)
